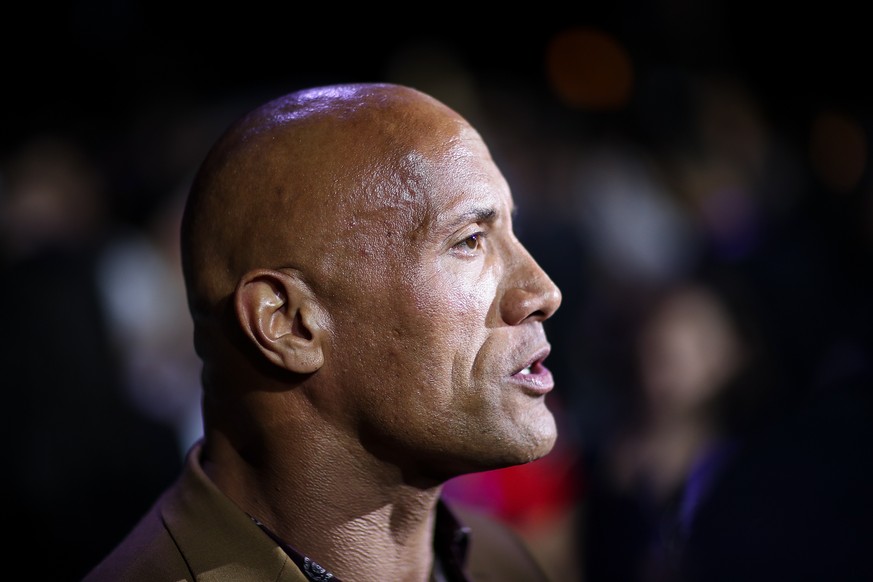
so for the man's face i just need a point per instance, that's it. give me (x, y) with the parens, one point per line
(436, 315)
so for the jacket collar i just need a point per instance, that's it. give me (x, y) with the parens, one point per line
(218, 540)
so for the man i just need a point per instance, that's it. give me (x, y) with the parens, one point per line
(369, 327)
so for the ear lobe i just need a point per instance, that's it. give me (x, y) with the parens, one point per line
(277, 311)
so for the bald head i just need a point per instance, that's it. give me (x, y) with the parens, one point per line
(284, 180)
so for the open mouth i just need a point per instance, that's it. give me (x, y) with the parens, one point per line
(535, 367)
(534, 376)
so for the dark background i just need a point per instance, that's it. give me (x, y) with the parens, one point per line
(99, 60)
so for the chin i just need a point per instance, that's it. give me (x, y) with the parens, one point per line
(542, 447)
(538, 436)
(534, 445)
(505, 445)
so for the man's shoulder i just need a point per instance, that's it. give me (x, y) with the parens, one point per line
(191, 530)
(147, 553)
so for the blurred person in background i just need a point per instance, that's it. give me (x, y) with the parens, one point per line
(139, 272)
(793, 500)
(703, 380)
(158, 367)
(82, 462)
(783, 493)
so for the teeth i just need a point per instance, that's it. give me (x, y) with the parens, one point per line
(526, 371)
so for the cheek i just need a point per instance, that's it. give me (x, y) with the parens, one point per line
(433, 329)
(456, 309)
(456, 297)
(424, 331)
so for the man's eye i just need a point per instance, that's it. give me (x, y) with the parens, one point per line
(472, 242)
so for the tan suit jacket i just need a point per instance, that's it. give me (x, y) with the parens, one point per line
(195, 533)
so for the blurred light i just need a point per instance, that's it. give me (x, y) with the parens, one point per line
(589, 69)
(629, 218)
(838, 151)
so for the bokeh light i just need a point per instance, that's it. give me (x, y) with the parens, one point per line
(838, 150)
(589, 69)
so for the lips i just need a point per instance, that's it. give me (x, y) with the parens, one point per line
(534, 376)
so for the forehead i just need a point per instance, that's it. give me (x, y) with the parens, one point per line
(436, 181)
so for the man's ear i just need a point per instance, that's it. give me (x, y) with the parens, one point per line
(278, 312)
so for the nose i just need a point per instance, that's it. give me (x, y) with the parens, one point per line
(529, 293)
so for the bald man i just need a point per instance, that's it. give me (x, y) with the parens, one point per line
(369, 327)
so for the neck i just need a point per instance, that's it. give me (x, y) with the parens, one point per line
(346, 512)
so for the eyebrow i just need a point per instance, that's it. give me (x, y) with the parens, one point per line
(477, 214)
(480, 215)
